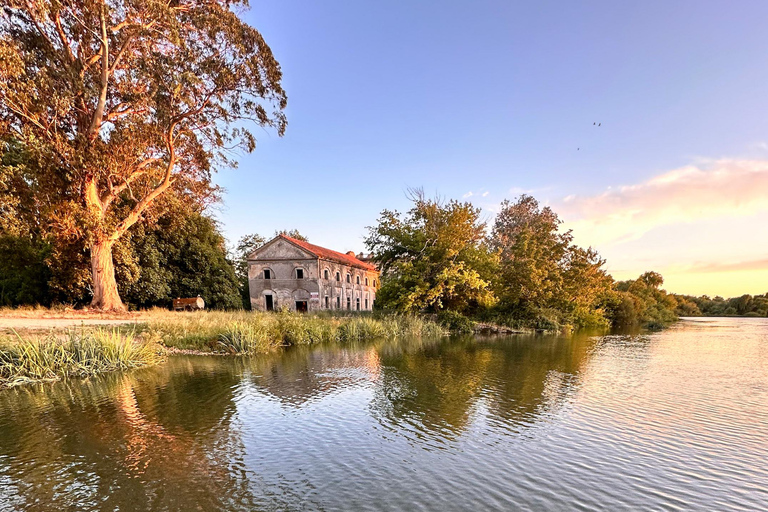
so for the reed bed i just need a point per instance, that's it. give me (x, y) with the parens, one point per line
(76, 353)
(254, 332)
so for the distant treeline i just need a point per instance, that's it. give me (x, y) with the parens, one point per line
(746, 305)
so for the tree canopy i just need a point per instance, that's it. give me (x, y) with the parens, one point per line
(432, 258)
(119, 103)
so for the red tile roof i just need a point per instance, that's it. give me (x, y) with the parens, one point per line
(327, 254)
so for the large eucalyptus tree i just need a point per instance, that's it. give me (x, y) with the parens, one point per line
(121, 103)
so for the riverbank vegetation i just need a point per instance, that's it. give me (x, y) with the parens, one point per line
(77, 353)
(240, 332)
(523, 272)
(86, 351)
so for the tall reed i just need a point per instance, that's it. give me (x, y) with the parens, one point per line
(252, 332)
(79, 354)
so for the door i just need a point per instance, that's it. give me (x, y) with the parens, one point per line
(270, 304)
(301, 306)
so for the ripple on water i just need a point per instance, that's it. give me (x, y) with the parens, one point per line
(675, 420)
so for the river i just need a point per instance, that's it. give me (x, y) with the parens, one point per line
(674, 420)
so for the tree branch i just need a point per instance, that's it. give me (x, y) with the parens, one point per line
(98, 114)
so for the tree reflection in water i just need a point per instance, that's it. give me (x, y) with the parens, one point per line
(122, 442)
(440, 388)
(205, 433)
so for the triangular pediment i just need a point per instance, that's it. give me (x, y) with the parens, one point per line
(280, 249)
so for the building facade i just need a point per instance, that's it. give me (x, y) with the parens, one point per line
(286, 273)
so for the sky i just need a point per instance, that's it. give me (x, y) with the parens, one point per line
(484, 100)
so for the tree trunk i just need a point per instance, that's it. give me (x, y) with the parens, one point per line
(105, 294)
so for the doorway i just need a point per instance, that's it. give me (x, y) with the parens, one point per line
(270, 304)
(301, 306)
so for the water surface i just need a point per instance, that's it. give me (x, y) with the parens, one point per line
(676, 420)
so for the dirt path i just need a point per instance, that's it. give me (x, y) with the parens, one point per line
(42, 324)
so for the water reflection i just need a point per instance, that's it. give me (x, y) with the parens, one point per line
(675, 419)
(106, 443)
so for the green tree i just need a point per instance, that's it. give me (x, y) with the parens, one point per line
(433, 258)
(543, 274)
(184, 255)
(245, 246)
(120, 103)
(643, 301)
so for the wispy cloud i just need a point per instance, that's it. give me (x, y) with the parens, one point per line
(723, 188)
(759, 264)
(468, 194)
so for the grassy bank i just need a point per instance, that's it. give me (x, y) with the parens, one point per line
(244, 332)
(77, 353)
(87, 351)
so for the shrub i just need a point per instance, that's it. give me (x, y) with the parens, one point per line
(456, 322)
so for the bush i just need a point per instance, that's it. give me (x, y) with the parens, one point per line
(455, 322)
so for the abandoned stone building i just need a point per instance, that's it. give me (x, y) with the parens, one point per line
(293, 274)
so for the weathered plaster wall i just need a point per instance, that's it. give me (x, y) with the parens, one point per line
(283, 258)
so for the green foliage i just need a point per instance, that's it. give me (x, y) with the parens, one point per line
(80, 354)
(256, 332)
(24, 274)
(184, 255)
(119, 104)
(745, 305)
(546, 281)
(455, 322)
(642, 301)
(432, 259)
(245, 246)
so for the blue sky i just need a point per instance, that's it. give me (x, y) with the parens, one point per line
(485, 99)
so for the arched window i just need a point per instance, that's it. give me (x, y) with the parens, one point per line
(326, 274)
(349, 278)
(358, 279)
(374, 283)
(366, 281)
(268, 273)
(338, 276)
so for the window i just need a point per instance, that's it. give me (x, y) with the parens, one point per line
(326, 274)
(349, 304)
(358, 279)
(327, 302)
(358, 303)
(374, 283)
(366, 281)
(267, 274)
(366, 303)
(299, 273)
(338, 276)
(338, 302)
(349, 278)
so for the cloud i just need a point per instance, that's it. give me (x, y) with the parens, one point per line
(468, 194)
(724, 188)
(485, 194)
(759, 264)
